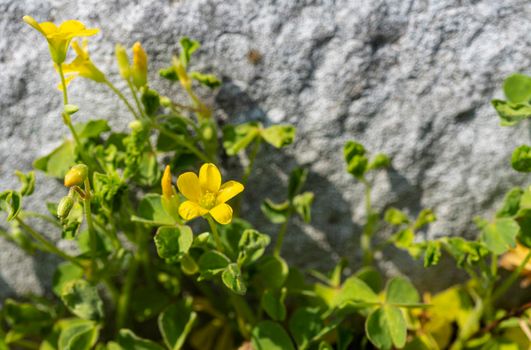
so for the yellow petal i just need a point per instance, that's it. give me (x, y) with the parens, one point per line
(188, 185)
(228, 190)
(209, 178)
(48, 28)
(167, 190)
(68, 79)
(222, 213)
(32, 22)
(190, 210)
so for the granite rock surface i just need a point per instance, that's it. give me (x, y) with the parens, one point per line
(411, 78)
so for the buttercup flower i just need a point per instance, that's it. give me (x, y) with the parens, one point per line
(206, 195)
(59, 37)
(82, 65)
(513, 258)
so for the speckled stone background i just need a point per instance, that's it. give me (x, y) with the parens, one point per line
(409, 78)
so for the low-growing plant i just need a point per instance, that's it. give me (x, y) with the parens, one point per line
(169, 265)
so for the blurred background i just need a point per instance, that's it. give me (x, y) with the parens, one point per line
(411, 78)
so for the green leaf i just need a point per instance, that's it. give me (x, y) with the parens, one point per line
(425, 217)
(279, 135)
(169, 73)
(128, 340)
(304, 325)
(82, 299)
(517, 88)
(173, 241)
(25, 317)
(27, 181)
(92, 128)
(59, 161)
(273, 304)
(188, 48)
(151, 301)
(371, 277)
(151, 212)
(65, 272)
(511, 113)
(11, 202)
(237, 138)
(211, 263)
(297, 179)
(399, 291)
(386, 327)
(72, 222)
(272, 271)
(432, 255)
(176, 323)
(379, 161)
(355, 291)
(234, 233)
(303, 205)
(78, 334)
(511, 203)
(395, 216)
(151, 101)
(521, 159)
(276, 213)
(251, 246)
(269, 335)
(403, 238)
(208, 80)
(232, 278)
(500, 235)
(355, 158)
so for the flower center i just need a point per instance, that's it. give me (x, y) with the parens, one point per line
(208, 200)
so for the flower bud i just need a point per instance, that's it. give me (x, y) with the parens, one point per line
(167, 190)
(165, 101)
(136, 125)
(76, 175)
(139, 69)
(65, 205)
(123, 61)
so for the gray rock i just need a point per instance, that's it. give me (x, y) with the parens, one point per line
(409, 78)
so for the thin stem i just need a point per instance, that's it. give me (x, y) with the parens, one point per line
(183, 143)
(502, 289)
(49, 246)
(122, 97)
(365, 239)
(281, 233)
(247, 171)
(125, 296)
(63, 83)
(90, 224)
(41, 216)
(135, 97)
(215, 233)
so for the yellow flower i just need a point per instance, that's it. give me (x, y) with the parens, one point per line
(513, 258)
(59, 37)
(140, 66)
(82, 65)
(206, 195)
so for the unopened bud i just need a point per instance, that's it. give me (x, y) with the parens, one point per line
(167, 190)
(136, 125)
(65, 205)
(76, 175)
(140, 68)
(165, 101)
(123, 61)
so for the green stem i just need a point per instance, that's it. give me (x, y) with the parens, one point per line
(365, 239)
(90, 224)
(122, 97)
(281, 233)
(215, 233)
(135, 97)
(63, 83)
(125, 296)
(49, 246)
(247, 172)
(183, 143)
(41, 216)
(502, 289)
